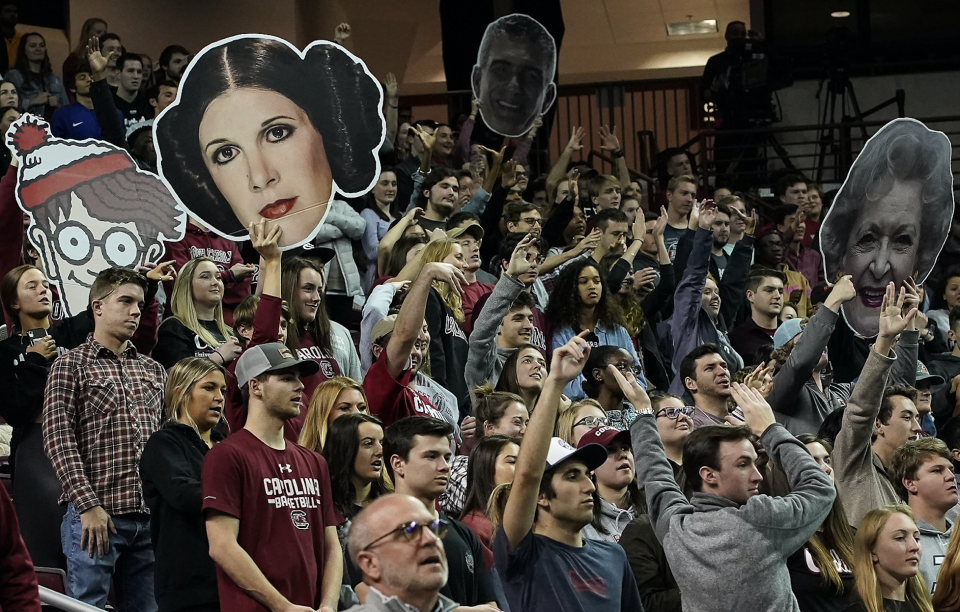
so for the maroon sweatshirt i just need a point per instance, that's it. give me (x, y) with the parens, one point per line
(225, 253)
(18, 582)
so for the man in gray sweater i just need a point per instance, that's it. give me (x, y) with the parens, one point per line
(728, 534)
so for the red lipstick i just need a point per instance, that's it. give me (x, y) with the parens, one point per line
(277, 209)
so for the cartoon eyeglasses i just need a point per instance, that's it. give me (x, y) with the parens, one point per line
(76, 243)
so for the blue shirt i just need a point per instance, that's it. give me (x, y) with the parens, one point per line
(76, 122)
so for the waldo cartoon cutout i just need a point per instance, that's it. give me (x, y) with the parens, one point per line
(90, 208)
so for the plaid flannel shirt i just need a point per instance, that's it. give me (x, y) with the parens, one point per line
(98, 411)
(455, 495)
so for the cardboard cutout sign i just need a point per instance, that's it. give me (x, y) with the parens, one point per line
(513, 76)
(890, 218)
(90, 208)
(260, 129)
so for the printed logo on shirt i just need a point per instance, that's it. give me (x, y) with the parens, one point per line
(299, 518)
(311, 353)
(217, 255)
(538, 339)
(284, 467)
(813, 568)
(421, 405)
(452, 328)
(468, 559)
(326, 368)
(292, 492)
(78, 123)
(593, 584)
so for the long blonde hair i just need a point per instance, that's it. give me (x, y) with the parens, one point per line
(568, 417)
(437, 251)
(868, 587)
(183, 308)
(180, 381)
(314, 432)
(947, 596)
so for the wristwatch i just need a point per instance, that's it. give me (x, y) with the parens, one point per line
(648, 410)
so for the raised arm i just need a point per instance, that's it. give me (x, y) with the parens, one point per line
(393, 104)
(461, 149)
(559, 169)
(654, 473)
(611, 144)
(565, 365)
(733, 284)
(394, 234)
(806, 353)
(800, 513)
(522, 150)
(109, 118)
(482, 354)
(686, 308)
(411, 315)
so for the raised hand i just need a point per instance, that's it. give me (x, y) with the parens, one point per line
(97, 62)
(892, 319)
(757, 413)
(496, 157)
(390, 86)
(413, 214)
(446, 273)
(608, 140)
(573, 184)
(474, 107)
(590, 241)
(426, 138)
(569, 359)
(661, 225)
(707, 214)
(342, 33)
(536, 126)
(164, 271)
(508, 178)
(843, 291)
(575, 137)
(520, 262)
(630, 387)
(265, 241)
(468, 434)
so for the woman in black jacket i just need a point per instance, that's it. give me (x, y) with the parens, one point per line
(184, 573)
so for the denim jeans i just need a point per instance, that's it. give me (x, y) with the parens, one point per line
(129, 563)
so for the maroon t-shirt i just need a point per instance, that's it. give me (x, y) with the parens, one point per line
(390, 399)
(329, 368)
(284, 503)
(471, 296)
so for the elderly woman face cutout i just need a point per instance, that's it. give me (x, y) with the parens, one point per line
(882, 248)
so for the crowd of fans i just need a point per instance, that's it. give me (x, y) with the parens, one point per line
(474, 389)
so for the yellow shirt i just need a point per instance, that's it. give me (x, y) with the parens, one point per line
(12, 45)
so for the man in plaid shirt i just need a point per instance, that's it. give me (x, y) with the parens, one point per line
(103, 400)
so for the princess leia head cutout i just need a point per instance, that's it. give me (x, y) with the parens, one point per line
(513, 76)
(260, 130)
(890, 218)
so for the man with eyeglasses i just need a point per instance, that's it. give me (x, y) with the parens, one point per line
(417, 452)
(542, 559)
(522, 217)
(102, 401)
(267, 503)
(397, 545)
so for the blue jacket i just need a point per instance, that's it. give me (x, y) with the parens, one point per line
(77, 122)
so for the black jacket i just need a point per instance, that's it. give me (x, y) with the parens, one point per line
(184, 573)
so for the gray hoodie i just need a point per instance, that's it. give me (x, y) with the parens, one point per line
(485, 359)
(715, 546)
(613, 519)
(799, 404)
(933, 543)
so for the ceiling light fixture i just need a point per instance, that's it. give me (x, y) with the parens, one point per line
(840, 14)
(687, 28)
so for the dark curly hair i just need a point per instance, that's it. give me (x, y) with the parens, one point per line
(333, 88)
(565, 299)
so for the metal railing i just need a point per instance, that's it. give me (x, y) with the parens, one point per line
(62, 602)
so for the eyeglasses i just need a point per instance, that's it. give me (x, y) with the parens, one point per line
(627, 366)
(674, 412)
(412, 531)
(539, 258)
(532, 220)
(592, 421)
(522, 174)
(421, 345)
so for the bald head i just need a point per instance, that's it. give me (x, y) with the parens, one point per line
(398, 564)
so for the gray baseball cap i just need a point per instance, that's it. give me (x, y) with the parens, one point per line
(270, 357)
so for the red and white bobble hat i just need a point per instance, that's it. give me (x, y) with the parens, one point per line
(50, 166)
